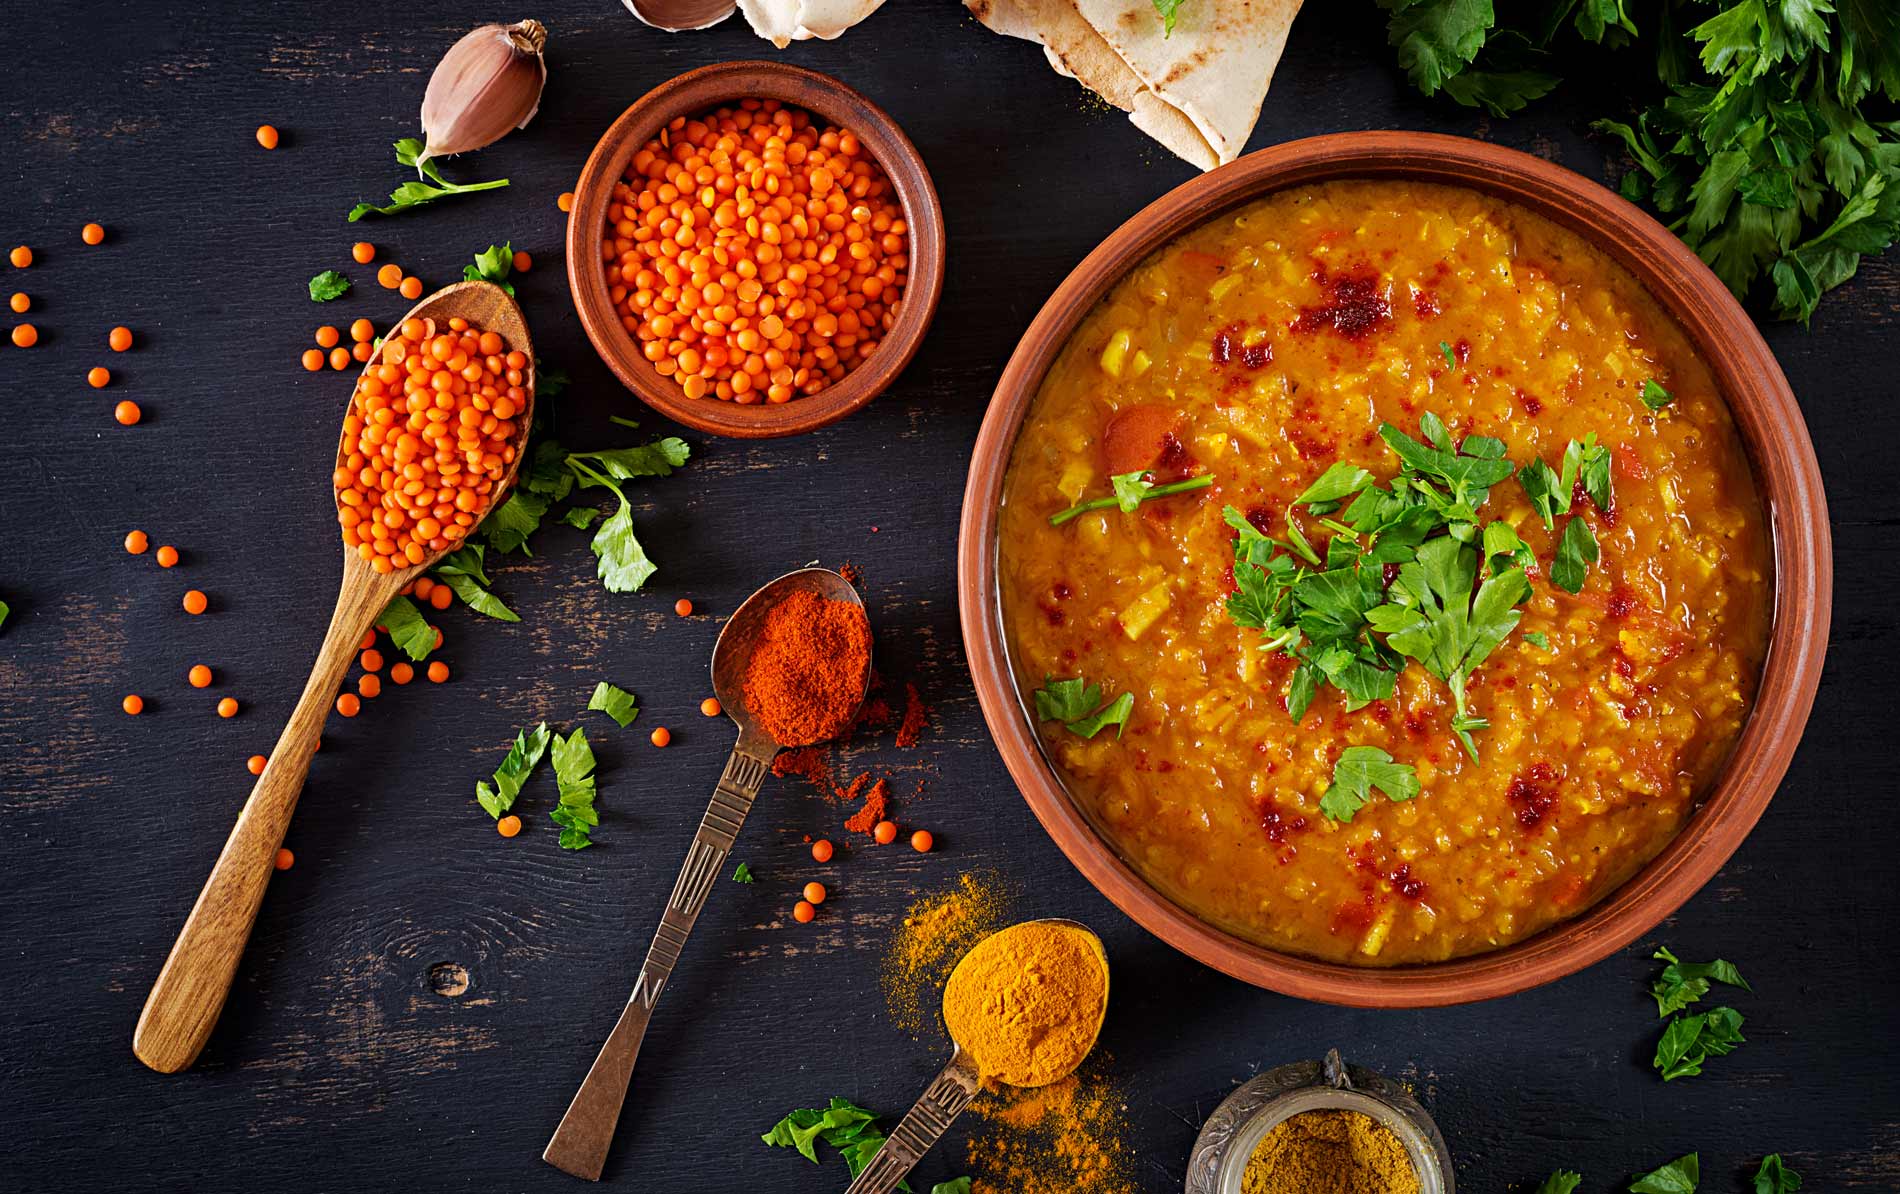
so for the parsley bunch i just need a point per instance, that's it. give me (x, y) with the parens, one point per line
(1454, 598)
(1769, 141)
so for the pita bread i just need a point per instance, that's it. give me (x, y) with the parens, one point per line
(784, 21)
(1197, 91)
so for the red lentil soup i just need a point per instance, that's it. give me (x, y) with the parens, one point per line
(1259, 350)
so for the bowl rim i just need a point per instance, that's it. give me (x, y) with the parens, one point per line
(699, 91)
(1780, 452)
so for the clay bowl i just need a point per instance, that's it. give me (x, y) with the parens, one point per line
(1771, 427)
(701, 91)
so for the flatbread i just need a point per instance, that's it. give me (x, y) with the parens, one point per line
(1197, 92)
(784, 21)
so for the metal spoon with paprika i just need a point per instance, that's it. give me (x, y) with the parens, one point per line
(579, 1145)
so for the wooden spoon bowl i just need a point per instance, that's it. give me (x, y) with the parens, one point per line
(191, 988)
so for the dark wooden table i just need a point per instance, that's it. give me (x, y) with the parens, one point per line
(421, 997)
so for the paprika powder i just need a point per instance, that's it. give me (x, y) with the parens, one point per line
(806, 676)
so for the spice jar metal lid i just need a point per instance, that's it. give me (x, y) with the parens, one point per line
(1231, 1134)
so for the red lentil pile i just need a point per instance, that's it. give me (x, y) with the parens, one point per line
(756, 256)
(430, 433)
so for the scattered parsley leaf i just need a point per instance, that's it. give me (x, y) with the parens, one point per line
(850, 1129)
(743, 873)
(1436, 39)
(462, 571)
(1576, 551)
(1774, 1177)
(960, 1185)
(1587, 461)
(5, 609)
(1131, 490)
(529, 746)
(615, 702)
(493, 264)
(1688, 1041)
(1545, 489)
(1359, 770)
(573, 763)
(1563, 1181)
(1078, 705)
(328, 285)
(1451, 358)
(1678, 1177)
(415, 193)
(508, 525)
(624, 565)
(408, 630)
(580, 517)
(1683, 983)
(1654, 396)
(1538, 639)
(1168, 11)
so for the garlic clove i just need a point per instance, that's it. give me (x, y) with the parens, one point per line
(782, 22)
(677, 16)
(485, 87)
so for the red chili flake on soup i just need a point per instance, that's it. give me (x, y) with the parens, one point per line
(1356, 304)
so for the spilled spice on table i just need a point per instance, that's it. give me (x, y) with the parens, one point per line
(938, 929)
(916, 715)
(1071, 1135)
(876, 800)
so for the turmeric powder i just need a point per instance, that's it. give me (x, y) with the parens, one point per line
(937, 931)
(1027, 1003)
(1330, 1152)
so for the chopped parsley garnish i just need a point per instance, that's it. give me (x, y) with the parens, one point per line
(417, 192)
(328, 285)
(1576, 551)
(1550, 491)
(1456, 584)
(1538, 639)
(1774, 1177)
(1688, 1041)
(743, 873)
(462, 571)
(1078, 705)
(615, 702)
(1359, 770)
(494, 264)
(1563, 1181)
(1678, 1177)
(850, 1129)
(1654, 396)
(1451, 358)
(1167, 10)
(529, 746)
(1131, 490)
(573, 763)
(1683, 983)
(408, 629)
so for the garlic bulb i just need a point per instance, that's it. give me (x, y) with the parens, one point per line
(485, 87)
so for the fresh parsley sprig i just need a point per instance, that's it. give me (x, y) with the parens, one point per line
(1358, 771)
(850, 1129)
(416, 192)
(409, 631)
(494, 264)
(462, 570)
(1774, 1176)
(1131, 490)
(514, 771)
(1690, 1040)
(1679, 1176)
(328, 285)
(1078, 705)
(573, 761)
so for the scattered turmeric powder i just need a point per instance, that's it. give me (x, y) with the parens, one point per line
(1056, 1139)
(1334, 1151)
(937, 931)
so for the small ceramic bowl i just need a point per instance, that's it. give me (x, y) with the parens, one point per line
(1228, 1138)
(1772, 431)
(701, 91)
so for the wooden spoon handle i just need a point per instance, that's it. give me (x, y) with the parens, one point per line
(185, 1001)
(580, 1143)
(942, 1101)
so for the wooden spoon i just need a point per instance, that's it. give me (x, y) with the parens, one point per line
(949, 1093)
(580, 1143)
(190, 992)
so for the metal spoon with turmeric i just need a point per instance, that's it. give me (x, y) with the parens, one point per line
(1023, 1008)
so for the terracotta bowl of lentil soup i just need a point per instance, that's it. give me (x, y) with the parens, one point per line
(869, 314)
(1371, 337)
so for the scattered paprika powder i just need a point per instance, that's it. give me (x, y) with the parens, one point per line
(805, 679)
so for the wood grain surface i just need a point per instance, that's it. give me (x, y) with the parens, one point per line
(421, 997)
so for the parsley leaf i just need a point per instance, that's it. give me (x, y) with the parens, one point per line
(1678, 1177)
(1359, 770)
(1576, 551)
(1588, 461)
(1538, 639)
(1342, 480)
(1683, 983)
(328, 285)
(1563, 1181)
(1688, 1041)
(624, 565)
(580, 517)
(1436, 39)
(1078, 705)
(960, 1185)
(573, 763)
(462, 571)
(1167, 10)
(5, 609)
(615, 702)
(548, 379)
(1546, 490)
(1451, 358)
(743, 873)
(850, 1129)
(415, 193)
(529, 746)
(1654, 396)
(408, 630)
(1774, 1177)
(493, 264)
(1131, 490)
(508, 525)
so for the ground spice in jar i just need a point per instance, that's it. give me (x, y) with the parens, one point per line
(805, 679)
(1330, 1152)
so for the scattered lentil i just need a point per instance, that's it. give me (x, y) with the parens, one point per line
(92, 234)
(267, 136)
(195, 601)
(228, 707)
(136, 542)
(119, 339)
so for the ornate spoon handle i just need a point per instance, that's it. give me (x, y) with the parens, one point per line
(942, 1101)
(580, 1143)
